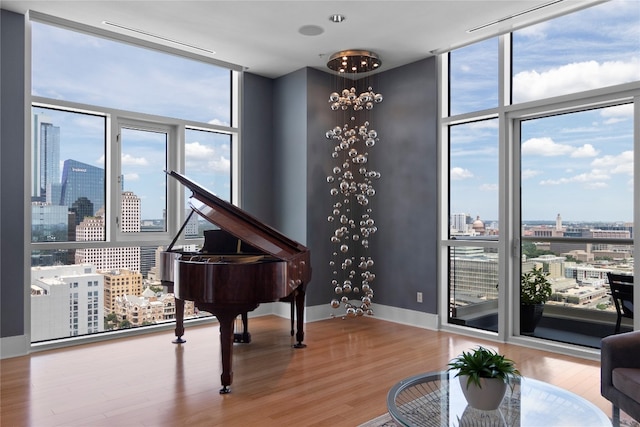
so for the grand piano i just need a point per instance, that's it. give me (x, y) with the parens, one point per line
(241, 265)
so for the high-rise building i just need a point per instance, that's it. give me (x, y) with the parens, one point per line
(82, 208)
(118, 283)
(459, 222)
(66, 301)
(80, 180)
(46, 160)
(48, 223)
(147, 259)
(191, 229)
(93, 229)
(129, 213)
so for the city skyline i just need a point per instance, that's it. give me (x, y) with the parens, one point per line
(117, 75)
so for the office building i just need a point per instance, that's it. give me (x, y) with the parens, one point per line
(46, 149)
(82, 181)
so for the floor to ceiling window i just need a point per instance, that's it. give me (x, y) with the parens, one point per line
(109, 118)
(540, 161)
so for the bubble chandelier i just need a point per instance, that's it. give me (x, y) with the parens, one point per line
(351, 183)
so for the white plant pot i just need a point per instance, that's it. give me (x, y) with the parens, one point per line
(487, 397)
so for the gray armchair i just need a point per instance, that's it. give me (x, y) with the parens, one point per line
(620, 373)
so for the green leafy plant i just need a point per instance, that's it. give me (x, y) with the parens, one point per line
(534, 287)
(484, 363)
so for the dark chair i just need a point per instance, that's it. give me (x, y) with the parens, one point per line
(620, 373)
(621, 286)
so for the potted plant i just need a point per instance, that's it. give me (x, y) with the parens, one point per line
(484, 375)
(535, 291)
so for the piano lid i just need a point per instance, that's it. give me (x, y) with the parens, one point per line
(239, 223)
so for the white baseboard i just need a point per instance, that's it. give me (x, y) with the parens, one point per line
(14, 346)
(408, 317)
(383, 312)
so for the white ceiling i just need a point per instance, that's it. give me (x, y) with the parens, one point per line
(263, 36)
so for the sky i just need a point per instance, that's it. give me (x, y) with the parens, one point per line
(117, 75)
(579, 165)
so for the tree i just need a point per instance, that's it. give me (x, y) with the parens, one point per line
(110, 320)
(530, 250)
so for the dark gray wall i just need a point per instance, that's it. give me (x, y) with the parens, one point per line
(319, 163)
(289, 150)
(12, 215)
(406, 204)
(257, 154)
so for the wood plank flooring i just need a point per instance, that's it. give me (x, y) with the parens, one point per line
(340, 379)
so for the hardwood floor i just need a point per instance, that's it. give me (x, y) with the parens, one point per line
(340, 379)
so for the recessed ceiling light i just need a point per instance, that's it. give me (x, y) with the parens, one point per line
(337, 18)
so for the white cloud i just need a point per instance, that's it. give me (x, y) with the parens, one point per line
(596, 185)
(547, 147)
(529, 173)
(489, 187)
(613, 121)
(625, 110)
(537, 31)
(129, 160)
(458, 174)
(218, 122)
(586, 150)
(619, 164)
(483, 124)
(131, 177)
(222, 164)
(204, 157)
(592, 179)
(196, 150)
(572, 78)
(616, 114)
(544, 147)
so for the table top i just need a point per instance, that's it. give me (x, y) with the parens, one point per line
(436, 399)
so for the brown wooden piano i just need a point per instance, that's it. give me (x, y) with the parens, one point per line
(243, 264)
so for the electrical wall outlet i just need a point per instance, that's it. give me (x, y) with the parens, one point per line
(419, 297)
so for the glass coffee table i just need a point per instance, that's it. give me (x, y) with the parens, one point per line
(436, 399)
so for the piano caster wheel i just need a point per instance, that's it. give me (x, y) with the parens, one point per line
(179, 340)
(243, 338)
(299, 345)
(225, 390)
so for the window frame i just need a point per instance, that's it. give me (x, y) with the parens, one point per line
(508, 245)
(175, 214)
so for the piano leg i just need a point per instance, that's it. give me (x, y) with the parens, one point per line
(293, 313)
(243, 337)
(226, 320)
(299, 301)
(179, 322)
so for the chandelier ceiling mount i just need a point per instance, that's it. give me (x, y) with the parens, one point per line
(354, 61)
